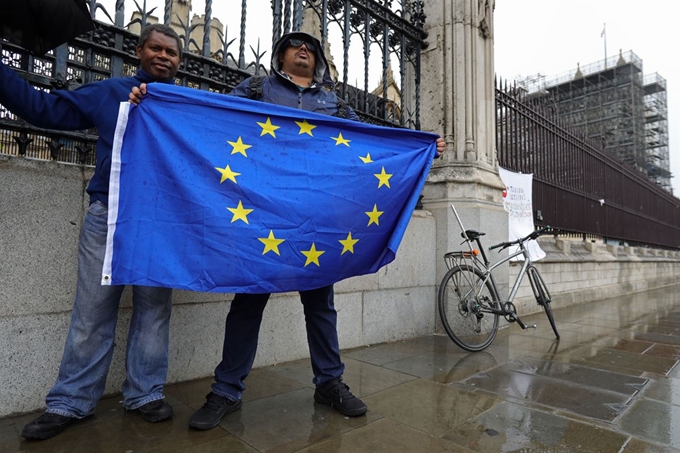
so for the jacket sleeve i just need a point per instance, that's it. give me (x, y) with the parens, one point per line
(352, 115)
(242, 90)
(38, 107)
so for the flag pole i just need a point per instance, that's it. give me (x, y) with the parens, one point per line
(604, 35)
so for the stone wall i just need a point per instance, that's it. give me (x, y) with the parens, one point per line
(42, 205)
(580, 272)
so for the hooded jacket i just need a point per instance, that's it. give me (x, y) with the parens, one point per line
(92, 105)
(278, 88)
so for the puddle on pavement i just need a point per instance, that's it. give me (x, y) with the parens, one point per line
(582, 390)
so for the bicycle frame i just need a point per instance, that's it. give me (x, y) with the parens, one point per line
(520, 276)
(487, 269)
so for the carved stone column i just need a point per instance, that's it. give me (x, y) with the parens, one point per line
(458, 102)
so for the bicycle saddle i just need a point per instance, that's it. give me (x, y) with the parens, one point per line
(471, 234)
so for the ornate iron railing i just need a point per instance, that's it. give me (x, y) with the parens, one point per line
(110, 51)
(578, 188)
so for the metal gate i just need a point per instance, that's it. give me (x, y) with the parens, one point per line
(385, 34)
(578, 187)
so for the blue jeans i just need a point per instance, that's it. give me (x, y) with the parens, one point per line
(90, 341)
(241, 334)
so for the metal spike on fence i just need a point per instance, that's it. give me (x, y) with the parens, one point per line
(83, 152)
(206, 28)
(23, 141)
(225, 44)
(55, 146)
(167, 13)
(242, 43)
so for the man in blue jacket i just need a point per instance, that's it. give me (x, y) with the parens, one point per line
(90, 341)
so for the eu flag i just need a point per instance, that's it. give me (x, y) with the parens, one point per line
(217, 193)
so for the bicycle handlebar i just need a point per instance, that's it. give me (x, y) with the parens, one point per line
(532, 235)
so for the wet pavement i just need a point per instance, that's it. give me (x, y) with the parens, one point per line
(611, 384)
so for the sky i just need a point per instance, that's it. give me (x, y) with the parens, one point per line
(531, 37)
(551, 37)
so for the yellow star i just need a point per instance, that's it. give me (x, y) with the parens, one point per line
(268, 128)
(239, 147)
(240, 213)
(348, 244)
(271, 243)
(340, 140)
(227, 174)
(384, 178)
(312, 255)
(367, 159)
(373, 215)
(305, 127)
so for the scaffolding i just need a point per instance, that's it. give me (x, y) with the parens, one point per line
(656, 129)
(615, 105)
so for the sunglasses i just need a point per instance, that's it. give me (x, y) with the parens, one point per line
(294, 42)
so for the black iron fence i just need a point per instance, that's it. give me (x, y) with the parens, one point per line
(393, 32)
(577, 187)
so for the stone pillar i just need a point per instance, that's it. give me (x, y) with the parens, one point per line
(458, 102)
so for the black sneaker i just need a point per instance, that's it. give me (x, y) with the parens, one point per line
(336, 394)
(155, 411)
(46, 426)
(214, 409)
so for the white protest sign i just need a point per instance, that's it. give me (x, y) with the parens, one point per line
(517, 203)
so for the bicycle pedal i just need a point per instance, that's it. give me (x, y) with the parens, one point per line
(531, 326)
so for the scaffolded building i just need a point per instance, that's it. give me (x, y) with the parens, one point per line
(614, 103)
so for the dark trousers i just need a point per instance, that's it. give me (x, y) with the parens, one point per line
(243, 327)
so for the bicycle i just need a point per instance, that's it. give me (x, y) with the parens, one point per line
(468, 301)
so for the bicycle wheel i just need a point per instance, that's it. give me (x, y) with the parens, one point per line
(542, 296)
(464, 305)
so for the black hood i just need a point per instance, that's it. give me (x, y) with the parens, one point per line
(321, 73)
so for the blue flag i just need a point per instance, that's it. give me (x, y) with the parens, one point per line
(218, 193)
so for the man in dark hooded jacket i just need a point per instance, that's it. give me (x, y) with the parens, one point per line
(299, 79)
(90, 342)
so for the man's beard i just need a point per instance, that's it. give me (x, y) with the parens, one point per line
(305, 65)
